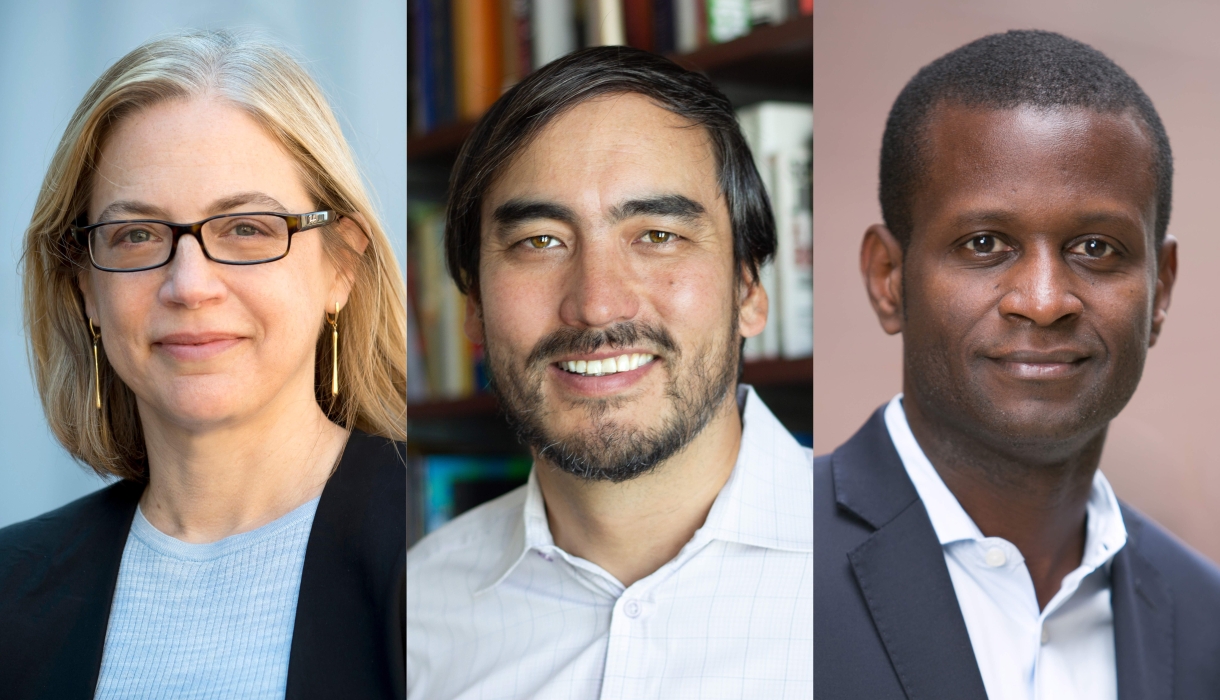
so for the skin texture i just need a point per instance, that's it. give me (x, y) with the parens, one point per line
(1028, 297)
(234, 435)
(591, 270)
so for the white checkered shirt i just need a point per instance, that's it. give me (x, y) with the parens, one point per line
(496, 610)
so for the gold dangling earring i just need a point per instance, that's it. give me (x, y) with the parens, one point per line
(97, 377)
(334, 350)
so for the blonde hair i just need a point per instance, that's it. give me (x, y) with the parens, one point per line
(270, 86)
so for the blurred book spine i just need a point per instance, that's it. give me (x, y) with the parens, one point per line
(466, 53)
(727, 19)
(451, 363)
(780, 135)
(453, 484)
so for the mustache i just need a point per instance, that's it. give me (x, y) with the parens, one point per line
(568, 340)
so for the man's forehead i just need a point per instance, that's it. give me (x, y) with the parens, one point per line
(1018, 151)
(606, 151)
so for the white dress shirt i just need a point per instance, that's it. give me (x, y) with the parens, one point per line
(1063, 651)
(496, 610)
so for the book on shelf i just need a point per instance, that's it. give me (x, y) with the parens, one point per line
(780, 135)
(453, 484)
(465, 53)
(452, 364)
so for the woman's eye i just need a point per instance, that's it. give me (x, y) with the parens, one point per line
(245, 230)
(137, 235)
(540, 242)
(659, 236)
(1094, 248)
(986, 243)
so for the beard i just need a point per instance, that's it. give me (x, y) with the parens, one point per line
(605, 449)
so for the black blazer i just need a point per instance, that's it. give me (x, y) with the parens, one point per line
(886, 619)
(58, 573)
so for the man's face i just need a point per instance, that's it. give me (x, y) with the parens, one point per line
(607, 240)
(1030, 281)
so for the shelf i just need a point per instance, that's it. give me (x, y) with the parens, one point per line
(780, 56)
(762, 373)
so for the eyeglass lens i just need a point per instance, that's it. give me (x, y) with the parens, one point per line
(237, 239)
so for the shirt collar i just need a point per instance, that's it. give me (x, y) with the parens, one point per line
(766, 502)
(1105, 532)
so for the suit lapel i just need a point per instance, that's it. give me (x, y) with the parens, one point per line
(901, 571)
(1143, 622)
(89, 567)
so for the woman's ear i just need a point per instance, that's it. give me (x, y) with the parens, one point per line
(354, 229)
(85, 284)
(752, 305)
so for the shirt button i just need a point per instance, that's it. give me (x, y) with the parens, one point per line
(995, 557)
(631, 609)
(1046, 635)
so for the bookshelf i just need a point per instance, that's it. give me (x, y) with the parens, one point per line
(772, 62)
(769, 63)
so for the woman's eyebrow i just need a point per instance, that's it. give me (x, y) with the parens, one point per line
(133, 207)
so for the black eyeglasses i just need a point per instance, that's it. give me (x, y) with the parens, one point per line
(231, 239)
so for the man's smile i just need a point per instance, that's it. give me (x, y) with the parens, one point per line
(610, 365)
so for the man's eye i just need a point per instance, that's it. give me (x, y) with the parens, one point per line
(986, 243)
(1094, 248)
(659, 237)
(540, 242)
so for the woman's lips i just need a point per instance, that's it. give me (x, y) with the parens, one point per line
(195, 349)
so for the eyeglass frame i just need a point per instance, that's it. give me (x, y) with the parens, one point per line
(296, 224)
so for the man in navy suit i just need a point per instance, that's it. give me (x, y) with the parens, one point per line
(966, 544)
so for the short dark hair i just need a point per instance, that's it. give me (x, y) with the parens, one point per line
(521, 113)
(1005, 71)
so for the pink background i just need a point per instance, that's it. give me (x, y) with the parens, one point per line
(1163, 451)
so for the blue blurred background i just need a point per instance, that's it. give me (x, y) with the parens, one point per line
(52, 52)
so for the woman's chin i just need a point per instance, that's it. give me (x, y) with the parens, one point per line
(205, 402)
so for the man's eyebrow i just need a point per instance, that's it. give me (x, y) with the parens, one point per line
(1107, 217)
(1003, 216)
(978, 217)
(132, 207)
(669, 205)
(518, 211)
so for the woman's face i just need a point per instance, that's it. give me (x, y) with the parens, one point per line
(206, 345)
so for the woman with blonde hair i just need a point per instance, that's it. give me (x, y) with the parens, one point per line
(217, 319)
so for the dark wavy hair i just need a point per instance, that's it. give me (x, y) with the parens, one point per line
(522, 112)
(1005, 71)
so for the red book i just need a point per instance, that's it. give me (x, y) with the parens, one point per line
(637, 21)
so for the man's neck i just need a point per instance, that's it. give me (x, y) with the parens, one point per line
(207, 484)
(1036, 503)
(632, 528)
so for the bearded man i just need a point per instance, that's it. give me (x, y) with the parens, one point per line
(607, 223)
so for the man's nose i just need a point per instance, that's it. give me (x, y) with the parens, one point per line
(603, 289)
(1041, 288)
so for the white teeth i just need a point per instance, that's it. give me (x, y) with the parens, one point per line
(609, 365)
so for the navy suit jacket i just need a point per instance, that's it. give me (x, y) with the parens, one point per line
(58, 574)
(886, 619)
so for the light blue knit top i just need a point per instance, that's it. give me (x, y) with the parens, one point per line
(204, 621)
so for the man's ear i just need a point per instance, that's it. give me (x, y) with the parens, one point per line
(752, 305)
(1166, 275)
(474, 320)
(881, 267)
